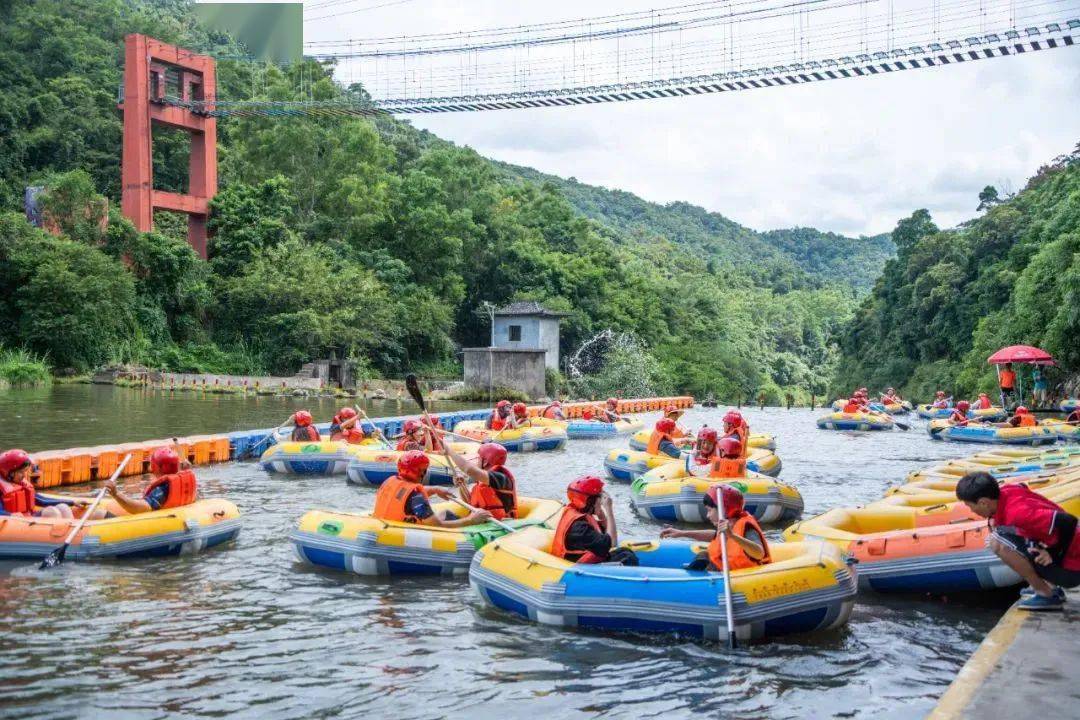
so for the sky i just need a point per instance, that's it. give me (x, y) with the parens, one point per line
(848, 156)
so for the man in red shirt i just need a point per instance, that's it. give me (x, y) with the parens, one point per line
(1032, 535)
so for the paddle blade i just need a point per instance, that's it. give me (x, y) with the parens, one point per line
(902, 426)
(54, 558)
(414, 390)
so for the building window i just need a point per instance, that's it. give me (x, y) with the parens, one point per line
(515, 333)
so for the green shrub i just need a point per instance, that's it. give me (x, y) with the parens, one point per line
(21, 368)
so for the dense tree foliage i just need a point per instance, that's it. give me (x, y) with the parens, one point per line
(951, 298)
(368, 237)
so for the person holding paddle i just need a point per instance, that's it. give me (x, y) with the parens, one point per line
(746, 543)
(18, 496)
(610, 413)
(303, 430)
(404, 497)
(494, 487)
(959, 417)
(346, 426)
(415, 437)
(662, 440)
(171, 487)
(499, 418)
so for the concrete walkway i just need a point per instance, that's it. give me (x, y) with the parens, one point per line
(1027, 667)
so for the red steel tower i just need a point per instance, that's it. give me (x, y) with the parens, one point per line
(149, 66)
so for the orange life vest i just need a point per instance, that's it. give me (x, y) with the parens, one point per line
(182, 489)
(496, 421)
(354, 436)
(308, 433)
(1008, 379)
(851, 407)
(655, 439)
(983, 403)
(488, 498)
(1027, 420)
(391, 502)
(728, 467)
(558, 544)
(17, 497)
(958, 418)
(736, 556)
(552, 413)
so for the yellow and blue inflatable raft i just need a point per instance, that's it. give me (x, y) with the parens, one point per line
(640, 440)
(990, 414)
(372, 466)
(324, 457)
(175, 531)
(807, 588)
(978, 433)
(366, 545)
(670, 493)
(855, 421)
(527, 439)
(628, 465)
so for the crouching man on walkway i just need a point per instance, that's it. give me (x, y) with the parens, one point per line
(1032, 535)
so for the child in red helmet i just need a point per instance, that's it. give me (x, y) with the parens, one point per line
(414, 437)
(494, 488)
(18, 496)
(959, 417)
(519, 416)
(940, 401)
(983, 403)
(554, 411)
(610, 413)
(735, 426)
(746, 543)
(1021, 418)
(171, 487)
(586, 532)
(662, 440)
(404, 498)
(303, 430)
(346, 426)
(500, 417)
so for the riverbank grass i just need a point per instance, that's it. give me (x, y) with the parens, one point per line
(22, 368)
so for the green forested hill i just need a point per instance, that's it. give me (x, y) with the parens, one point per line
(781, 259)
(953, 297)
(367, 237)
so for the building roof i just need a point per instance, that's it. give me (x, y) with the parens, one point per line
(530, 307)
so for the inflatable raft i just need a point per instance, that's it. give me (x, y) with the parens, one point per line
(589, 429)
(941, 548)
(992, 414)
(177, 531)
(528, 439)
(628, 465)
(366, 545)
(326, 457)
(372, 466)
(1069, 404)
(900, 408)
(1065, 431)
(854, 421)
(978, 433)
(670, 493)
(807, 588)
(640, 440)
(1002, 462)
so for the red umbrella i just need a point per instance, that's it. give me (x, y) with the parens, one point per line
(1021, 354)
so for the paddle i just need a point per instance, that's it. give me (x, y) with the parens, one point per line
(727, 571)
(413, 387)
(273, 434)
(57, 556)
(377, 431)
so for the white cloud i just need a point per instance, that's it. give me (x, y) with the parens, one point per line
(851, 156)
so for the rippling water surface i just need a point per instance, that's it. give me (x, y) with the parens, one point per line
(247, 631)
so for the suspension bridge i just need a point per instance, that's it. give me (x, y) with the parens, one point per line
(684, 50)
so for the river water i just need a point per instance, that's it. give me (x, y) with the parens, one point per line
(246, 631)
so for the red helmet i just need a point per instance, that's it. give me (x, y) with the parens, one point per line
(730, 447)
(412, 465)
(733, 418)
(164, 461)
(731, 497)
(963, 405)
(665, 425)
(612, 402)
(302, 418)
(584, 489)
(670, 409)
(412, 426)
(346, 413)
(502, 404)
(491, 455)
(708, 435)
(520, 410)
(1021, 410)
(12, 460)
(587, 414)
